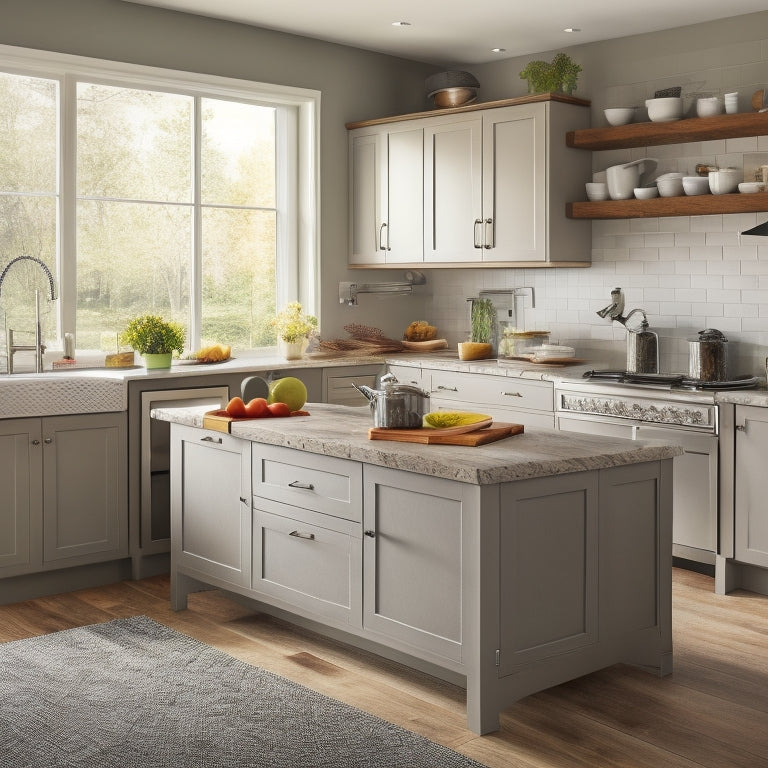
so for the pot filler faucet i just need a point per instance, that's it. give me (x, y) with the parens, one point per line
(616, 308)
(38, 346)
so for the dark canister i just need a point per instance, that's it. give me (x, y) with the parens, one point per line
(708, 356)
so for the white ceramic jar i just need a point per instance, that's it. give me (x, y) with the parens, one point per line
(724, 181)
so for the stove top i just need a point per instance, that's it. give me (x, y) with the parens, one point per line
(668, 380)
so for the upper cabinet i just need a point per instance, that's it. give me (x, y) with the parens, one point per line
(649, 134)
(478, 185)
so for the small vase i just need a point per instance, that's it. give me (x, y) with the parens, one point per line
(158, 361)
(292, 350)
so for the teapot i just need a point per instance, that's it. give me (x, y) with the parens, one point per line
(622, 179)
(395, 405)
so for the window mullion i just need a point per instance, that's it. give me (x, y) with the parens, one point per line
(67, 209)
(196, 282)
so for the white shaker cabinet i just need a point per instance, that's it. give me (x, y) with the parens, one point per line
(496, 180)
(751, 486)
(63, 492)
(386, 195)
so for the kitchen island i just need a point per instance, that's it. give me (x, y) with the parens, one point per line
(512, 566)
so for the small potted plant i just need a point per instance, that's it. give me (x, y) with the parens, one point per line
(154, 339)
(294, 328)
(559, 75)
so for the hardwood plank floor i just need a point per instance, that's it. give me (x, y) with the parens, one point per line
(712, 711)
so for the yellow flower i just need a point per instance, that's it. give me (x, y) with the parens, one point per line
(291, 324)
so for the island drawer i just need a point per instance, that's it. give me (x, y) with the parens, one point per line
(493, 390)
(311, 481)
(301, 564)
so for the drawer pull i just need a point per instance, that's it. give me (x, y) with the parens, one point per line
(302, 535)
(299, 484)
(447, 389)
(371, 534)
(511, 394)
(209, 439)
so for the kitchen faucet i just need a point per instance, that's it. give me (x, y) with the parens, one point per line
(38, 346)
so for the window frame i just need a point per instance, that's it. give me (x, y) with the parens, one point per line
(298, 179)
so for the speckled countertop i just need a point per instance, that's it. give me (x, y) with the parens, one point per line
(342, 431)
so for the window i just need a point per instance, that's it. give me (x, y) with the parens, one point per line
(148, 191)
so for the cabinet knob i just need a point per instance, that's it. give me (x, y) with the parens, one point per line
(741, 427)
(47, 440)
(370, 534)
(35, 442)
(243, 499)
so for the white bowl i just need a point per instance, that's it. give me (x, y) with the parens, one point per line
(646, 193)
(665, 110)
(696, 185)
(620, 115)
(724, 181)
(750, 187)
(673, 175)
(596, 191)
(709, 106)
(670, 187)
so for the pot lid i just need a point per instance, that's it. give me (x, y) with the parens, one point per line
(710, 334)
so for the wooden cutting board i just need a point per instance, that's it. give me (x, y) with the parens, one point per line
(427, 436)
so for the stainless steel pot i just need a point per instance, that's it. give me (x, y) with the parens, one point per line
(642, 350)
(708, 356)
(395, 405)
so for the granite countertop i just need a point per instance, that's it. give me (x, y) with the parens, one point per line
(342, 431)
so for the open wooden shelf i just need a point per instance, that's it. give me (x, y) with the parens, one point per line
(675, 132)
(695, 205)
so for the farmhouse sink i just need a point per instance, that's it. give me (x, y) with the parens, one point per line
(53, 394)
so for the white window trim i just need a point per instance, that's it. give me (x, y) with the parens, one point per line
(301, 279)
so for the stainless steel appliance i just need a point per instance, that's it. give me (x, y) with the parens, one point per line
(673, 408)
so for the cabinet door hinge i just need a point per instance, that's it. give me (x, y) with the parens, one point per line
(498, 657)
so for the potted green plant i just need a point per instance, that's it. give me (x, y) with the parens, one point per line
(561, 74)
(294, 328)
(154, 339)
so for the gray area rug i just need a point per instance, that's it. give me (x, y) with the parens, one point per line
(132, 693)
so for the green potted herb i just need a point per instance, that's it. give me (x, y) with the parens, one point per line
(561, 74)
(154, 339)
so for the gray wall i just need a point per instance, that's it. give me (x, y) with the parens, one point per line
(355, 85)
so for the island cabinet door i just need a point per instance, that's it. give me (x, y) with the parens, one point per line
(412, 555)
(211, 505)
(307, 562)
(548, 568)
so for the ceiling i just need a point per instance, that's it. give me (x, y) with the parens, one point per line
(453, 32)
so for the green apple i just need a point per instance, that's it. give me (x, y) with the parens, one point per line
(288, 390)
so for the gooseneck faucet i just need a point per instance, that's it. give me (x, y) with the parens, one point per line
(38, 347)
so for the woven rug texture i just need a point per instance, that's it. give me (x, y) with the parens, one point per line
(132, 693)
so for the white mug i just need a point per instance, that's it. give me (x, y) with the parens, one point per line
(732, 102)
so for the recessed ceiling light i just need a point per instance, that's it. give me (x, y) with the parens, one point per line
(401, 23)
(498, 50)
(571, 29)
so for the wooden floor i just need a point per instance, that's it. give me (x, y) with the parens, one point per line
(713, 710)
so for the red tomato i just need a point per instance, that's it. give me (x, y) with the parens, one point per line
(257, 408)
(236, 408)
(279, 409)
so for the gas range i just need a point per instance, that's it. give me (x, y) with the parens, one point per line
(669, 381)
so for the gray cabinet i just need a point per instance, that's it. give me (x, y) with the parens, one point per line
(211, 505)
(21, 462)
(751, 486)
(506, 399)
(64, 492)
(413, 577)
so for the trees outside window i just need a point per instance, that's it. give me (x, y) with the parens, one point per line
(151, 200)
